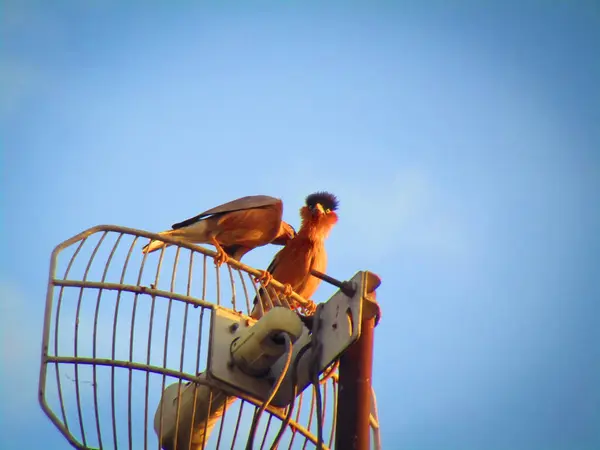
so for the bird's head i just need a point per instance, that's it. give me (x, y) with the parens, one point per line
(286, 233)
(319, 211)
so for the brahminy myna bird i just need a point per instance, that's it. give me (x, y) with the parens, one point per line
(234, 228)
(292, 265)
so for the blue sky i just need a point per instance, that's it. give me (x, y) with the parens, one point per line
(463, 143)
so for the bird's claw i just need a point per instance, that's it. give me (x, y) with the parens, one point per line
(287, 290)
(310, 308)
(220, 258)
(264, 278)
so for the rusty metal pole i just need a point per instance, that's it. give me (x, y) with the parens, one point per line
(353, 430)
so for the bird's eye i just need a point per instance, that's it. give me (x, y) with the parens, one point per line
(327, 211)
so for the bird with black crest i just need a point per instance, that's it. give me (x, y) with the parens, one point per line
(306, 252)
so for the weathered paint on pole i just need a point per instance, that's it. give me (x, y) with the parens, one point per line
(353, 431)
(354, 406)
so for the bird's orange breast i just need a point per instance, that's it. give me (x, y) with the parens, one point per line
(295, 262)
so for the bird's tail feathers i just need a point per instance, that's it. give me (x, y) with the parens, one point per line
(157, 245)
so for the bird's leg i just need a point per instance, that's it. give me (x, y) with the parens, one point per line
(264, 278)
(221, 257)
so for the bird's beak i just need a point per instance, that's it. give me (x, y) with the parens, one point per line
(319, 209)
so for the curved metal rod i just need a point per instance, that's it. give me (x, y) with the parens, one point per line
(174, 241)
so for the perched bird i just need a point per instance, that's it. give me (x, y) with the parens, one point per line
(234, 228)
(292, 265)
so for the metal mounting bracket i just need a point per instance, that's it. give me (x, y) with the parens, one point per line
(340, 328)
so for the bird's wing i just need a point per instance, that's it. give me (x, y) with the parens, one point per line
(277, 266)
(274, 262)
(261, 291)
(249, 227)
(310, 283)
(292, 267)
(249, 202)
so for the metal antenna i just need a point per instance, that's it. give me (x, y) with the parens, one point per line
(150, 351)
